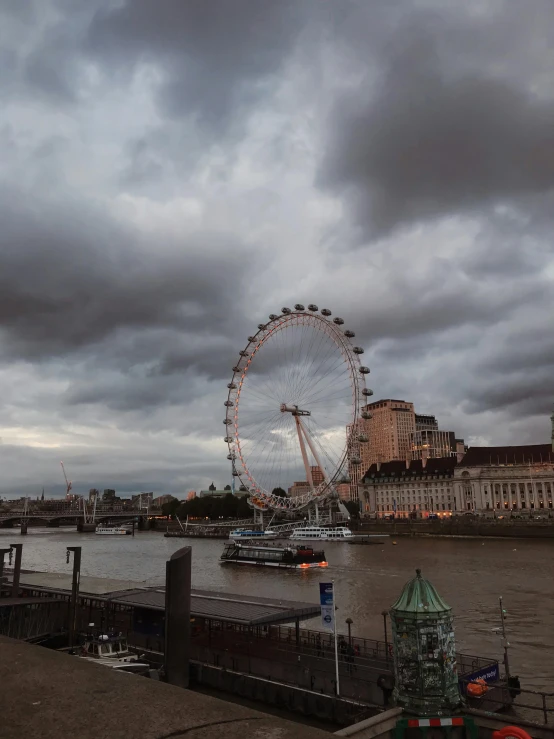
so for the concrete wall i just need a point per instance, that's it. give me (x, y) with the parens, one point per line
(309, 703)
(460, 526)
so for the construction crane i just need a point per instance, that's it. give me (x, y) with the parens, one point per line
(68, 485)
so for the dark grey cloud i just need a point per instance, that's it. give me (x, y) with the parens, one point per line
(121, 316)
(426, 137)
(216, 56)
(72, 275)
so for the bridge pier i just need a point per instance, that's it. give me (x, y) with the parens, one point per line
(85, 528)
(24, 525)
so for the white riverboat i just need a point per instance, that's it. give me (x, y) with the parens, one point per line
(112, 530)
(251, 534)
(313, 533)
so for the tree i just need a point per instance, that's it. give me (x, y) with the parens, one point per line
(170, 509)
(279, 492)
(227, 487)
(353, 508)
(212, 487)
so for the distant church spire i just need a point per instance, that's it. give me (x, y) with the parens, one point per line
(42, 497)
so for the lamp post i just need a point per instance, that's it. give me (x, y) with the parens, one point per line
(349, 623)
(74, 594)
(385, 614)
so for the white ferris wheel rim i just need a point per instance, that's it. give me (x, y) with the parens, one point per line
(259, 496)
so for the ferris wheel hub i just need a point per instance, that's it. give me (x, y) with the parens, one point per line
(294, 409)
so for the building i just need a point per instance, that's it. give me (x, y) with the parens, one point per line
(425, 422)
(343, 490)
(303, 486)
(507, 478)
(412, 488)
(432, 442)
(214, 493)
(388, 431)
(162, 500)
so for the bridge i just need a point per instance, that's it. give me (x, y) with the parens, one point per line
(73, 514)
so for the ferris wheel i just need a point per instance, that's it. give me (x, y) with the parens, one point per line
(294, 415)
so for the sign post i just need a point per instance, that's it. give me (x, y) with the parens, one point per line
(328, 620)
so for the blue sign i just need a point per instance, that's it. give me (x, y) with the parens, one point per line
(490, 674)
(327, 601)
(326, 593)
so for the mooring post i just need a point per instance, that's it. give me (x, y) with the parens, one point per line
(177, 617)
(16, 569)
(74, 593)
(3, 553)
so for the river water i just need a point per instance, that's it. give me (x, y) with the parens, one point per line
(470, 574)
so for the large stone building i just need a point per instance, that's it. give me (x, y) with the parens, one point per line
(507, 478)
(415, 488)
(485, 480)
(396, 433)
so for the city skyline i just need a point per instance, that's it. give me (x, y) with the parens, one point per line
(159, 200)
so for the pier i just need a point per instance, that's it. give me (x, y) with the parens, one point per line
(259, 647)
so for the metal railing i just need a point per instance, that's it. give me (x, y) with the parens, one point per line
(533, 705)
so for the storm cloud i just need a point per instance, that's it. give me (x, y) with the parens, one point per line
(173, 174)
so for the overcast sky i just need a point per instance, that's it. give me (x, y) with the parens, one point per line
(172, 172)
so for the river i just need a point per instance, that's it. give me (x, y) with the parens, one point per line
(470, 574)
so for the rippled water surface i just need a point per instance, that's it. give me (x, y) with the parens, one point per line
(470, 574)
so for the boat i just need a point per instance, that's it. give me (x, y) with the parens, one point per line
(112, 530)
(111, 650)
(251, 534)
(287, 557)
(310, 533)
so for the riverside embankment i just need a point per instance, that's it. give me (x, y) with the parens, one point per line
(461, 526)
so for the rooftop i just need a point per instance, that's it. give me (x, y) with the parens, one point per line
(419, 597)
(397, 467)
(246, 610)
(480, 456)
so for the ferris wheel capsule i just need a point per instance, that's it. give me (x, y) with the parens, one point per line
(367, 392)
(227, 421)
(366, 415)
(231, 386)
(349, 334)
(355, 460)
(286, 311)
(228, 439)
(251, 338)
(228, 404)
(261, 326)
(338, 321)
(313, 307)
(363, 370)
(325, 312)
(363, 438)
(299, 306)
(358, 350)
(236, 368)
(244, 353)
(273, 316)
(231, 457)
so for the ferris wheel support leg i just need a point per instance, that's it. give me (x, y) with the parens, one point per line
(301, 431)
(313, 450)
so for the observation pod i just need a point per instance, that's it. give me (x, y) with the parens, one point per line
(325, 312)
(349, 334)
(426, 678)
(312, 307)
(299, 306)
(273, 316)
(286, 311)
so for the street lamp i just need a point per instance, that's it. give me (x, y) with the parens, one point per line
(349, 623)
(384, 614)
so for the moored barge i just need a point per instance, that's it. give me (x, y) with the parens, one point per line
(287, 557)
